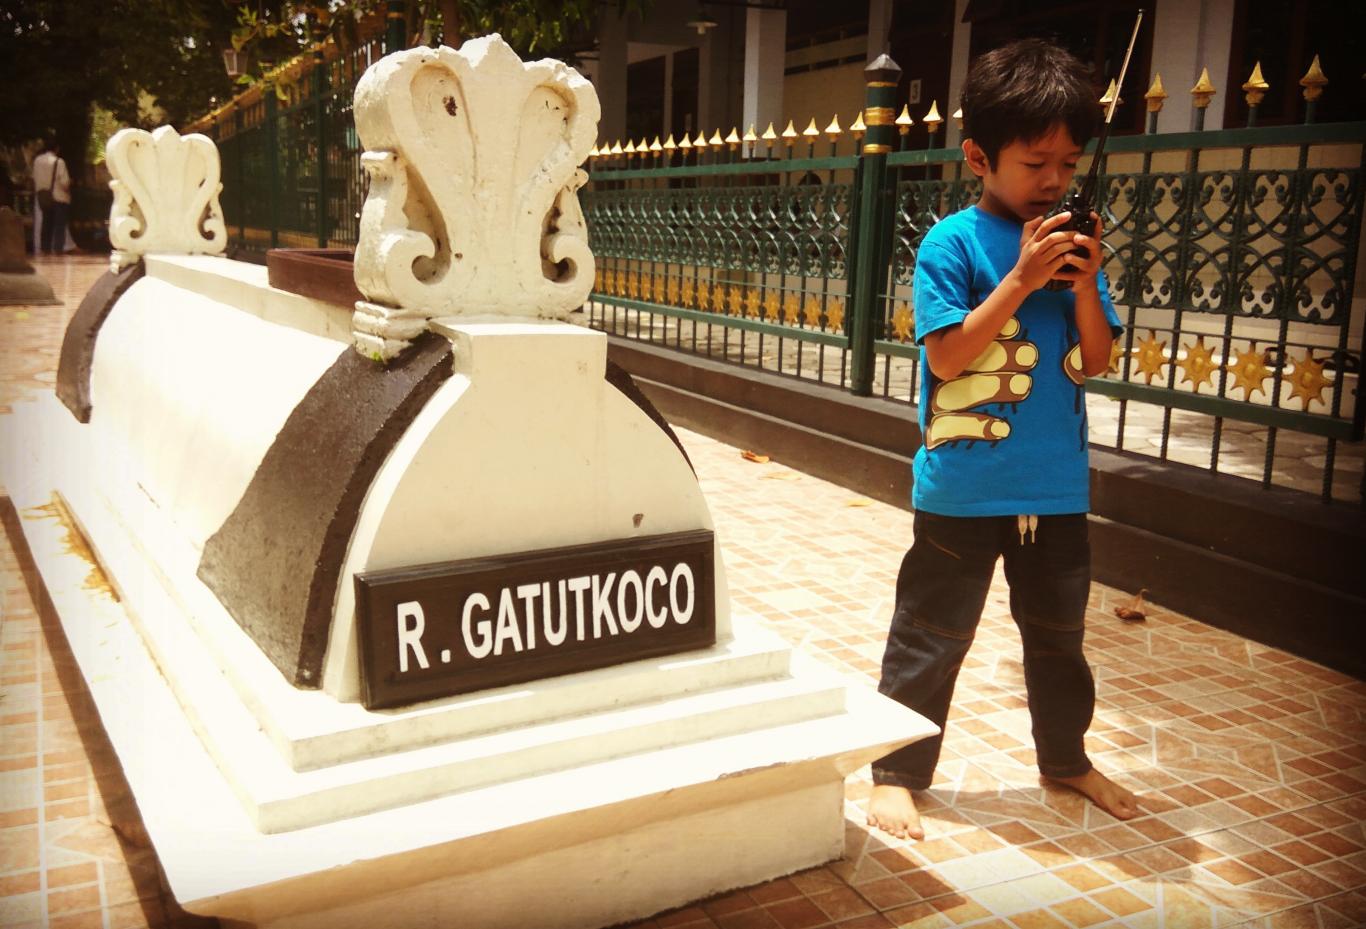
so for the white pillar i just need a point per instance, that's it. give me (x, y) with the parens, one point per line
(765, 53)
(1186, 38)
(880, 28)
(958, 72)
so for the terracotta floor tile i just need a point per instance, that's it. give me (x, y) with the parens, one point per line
(1119, 901)
(1268, 862)
(91, 919)
(887, 893)
(841, 903)
(75, 900)
(1081, 912)
(680, 917)
(1294, 824)
(937, 850)
(1301, 853)
(1038, 919)
(797, 914)
(1334, 843)
(27, 816)
(1235, 872)
(747, 919)
(1083, 878)
(730, 903)
(917, 916)
(870, 921)
(20, 883)
(773, 891)
(925, 884)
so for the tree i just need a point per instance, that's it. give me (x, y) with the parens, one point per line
(60, 58)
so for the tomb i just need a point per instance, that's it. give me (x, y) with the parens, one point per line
(409, 610)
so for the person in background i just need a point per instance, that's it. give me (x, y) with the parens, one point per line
(51, 197)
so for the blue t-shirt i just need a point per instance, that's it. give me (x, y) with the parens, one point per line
(1008, 435)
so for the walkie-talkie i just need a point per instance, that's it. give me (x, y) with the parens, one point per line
(1081, 203)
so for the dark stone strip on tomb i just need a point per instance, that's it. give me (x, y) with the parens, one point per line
(619, 378)
(78, 346)
(275, 562)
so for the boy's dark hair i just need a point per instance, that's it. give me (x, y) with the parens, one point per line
(1022, 90)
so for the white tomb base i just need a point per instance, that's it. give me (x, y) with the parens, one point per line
(582, 800)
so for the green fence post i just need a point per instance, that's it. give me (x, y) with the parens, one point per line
(273, 160)
(320, 88)
(882, 76)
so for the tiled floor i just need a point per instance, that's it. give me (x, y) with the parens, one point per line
(1250, 763)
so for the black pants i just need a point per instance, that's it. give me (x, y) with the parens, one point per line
(940, 593)
(53, 235)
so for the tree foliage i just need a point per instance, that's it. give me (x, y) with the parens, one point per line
(61, 58)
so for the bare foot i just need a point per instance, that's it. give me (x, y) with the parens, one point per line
(1102, 791)
(891, 809)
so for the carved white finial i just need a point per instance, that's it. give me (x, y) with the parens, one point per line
(473, 207)
(165, 195)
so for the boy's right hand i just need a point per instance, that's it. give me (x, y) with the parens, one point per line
(1043, 250)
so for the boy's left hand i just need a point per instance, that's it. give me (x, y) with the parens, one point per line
(1081, 270)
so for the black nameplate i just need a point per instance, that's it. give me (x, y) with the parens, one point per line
(443, 629)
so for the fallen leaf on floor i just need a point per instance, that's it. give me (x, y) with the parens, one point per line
(754, 456)
(1132, 612)
(782, 476)
(859, 501)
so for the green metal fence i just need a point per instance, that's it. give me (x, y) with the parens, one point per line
(1231, 255)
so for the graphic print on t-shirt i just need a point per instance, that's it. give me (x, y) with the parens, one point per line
(1000, 377)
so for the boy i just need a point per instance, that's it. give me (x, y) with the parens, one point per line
(1003, 467)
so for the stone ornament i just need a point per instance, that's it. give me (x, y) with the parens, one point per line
(473, 209)
(166, 190)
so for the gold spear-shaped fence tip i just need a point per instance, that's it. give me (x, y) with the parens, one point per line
(833, 130)
(750, 135)
(655, 146)
(686, 143)
(790, 132)
(1314, 80)
(701, 140)
(958, 117)
(630, 148)
(716, 138)
(857, 126)
(616, 148)
(904, 121)
(811, 129)
(1110, 94)
(932, 119)
(593, 152)
(643, 145)
(669, 143)
(1255, 87)
(1203, 91)
(734, 137)
(769, 134)
(1155, 95)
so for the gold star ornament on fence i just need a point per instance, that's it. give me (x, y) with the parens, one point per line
(834, 314)
(1250, 372)
(1152, 355)
(1199, 365)
(1306, 379)
(903, 323)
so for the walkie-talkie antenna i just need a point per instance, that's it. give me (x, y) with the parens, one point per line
(1079, 204)
(1088, 187)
